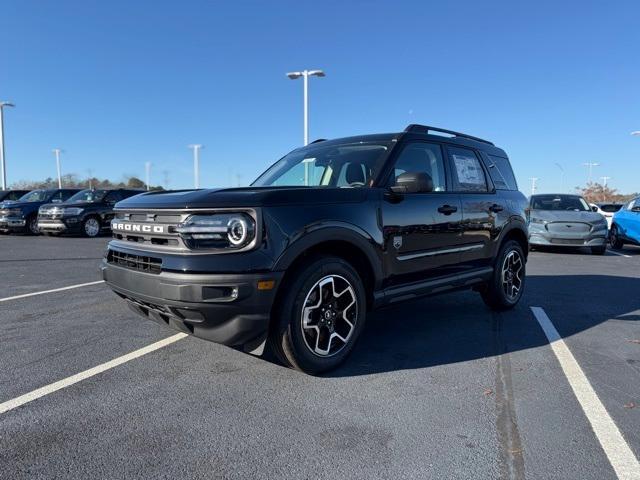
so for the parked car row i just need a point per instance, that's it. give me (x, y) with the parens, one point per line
(562, 220)
(54, 211)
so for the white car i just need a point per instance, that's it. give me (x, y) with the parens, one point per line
(606, 209)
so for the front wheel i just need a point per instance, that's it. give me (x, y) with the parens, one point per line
(614, 238)
(32, 225)
(506, 286)
(91, 227)
(321, 317)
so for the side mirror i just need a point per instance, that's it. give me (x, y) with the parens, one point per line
(413, 182)
(594, 209)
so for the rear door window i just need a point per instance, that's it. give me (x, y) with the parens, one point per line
(66, 194)
(468, 174)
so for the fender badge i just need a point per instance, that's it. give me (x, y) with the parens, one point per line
(397, 242)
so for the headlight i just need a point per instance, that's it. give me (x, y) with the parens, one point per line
(72, 211)
(13, 212)
(538, 220)
(223, 230)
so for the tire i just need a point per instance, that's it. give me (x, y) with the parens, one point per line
(614, 238)
(504, 293)
(31, 228)
(90, 227)
(334, 322)
(599, 250)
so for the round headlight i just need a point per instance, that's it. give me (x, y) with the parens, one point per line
(237, 231)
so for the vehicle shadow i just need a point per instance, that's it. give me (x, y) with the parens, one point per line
(458, 327)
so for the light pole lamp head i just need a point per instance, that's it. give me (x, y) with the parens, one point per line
(6, 104)
(294, 75)
(316, 73)
(636, 133)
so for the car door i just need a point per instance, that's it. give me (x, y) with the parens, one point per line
(628, 220)
(421, 230)
(481, 206)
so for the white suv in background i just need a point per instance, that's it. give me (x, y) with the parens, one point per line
(606, 209)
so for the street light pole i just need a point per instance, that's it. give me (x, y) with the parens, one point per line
(3, 173)
(196, 164)
(305, 74)
(147, 171)
(591, 165)
(533, 185)
(57, 151)
(604, 187)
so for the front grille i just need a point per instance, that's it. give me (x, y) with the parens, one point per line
(165, 238)
(135, 262)
(569, 227)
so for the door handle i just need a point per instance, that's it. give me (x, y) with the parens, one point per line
(495, 208)
(447, 209)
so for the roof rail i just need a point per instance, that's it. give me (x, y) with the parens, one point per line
(426, 129)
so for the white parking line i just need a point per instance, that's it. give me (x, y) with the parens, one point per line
(622, 459)
(618, 253)
(78, 377)
(25, 295)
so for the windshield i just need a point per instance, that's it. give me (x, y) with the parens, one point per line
(347, 165)
(610, 207)
(36, 196)
(559, 202)
(88, 196)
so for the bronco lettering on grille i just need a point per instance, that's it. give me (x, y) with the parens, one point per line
(135, 227)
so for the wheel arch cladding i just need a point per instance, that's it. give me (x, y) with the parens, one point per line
(519, 236)
(350, 250)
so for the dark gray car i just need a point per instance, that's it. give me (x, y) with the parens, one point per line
(561, 220)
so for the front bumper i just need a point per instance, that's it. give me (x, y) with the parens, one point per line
(222, 308)
(12, 223)
(59, 226)
(540, 237)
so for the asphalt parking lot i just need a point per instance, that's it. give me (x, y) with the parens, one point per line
(437, 388)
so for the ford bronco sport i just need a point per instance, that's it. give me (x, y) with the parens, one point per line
(329, 232)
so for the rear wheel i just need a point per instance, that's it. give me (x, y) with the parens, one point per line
(614, 238)
(91, 227)
(321, 316)
(506, 286)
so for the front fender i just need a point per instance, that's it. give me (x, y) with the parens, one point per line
(323, 232)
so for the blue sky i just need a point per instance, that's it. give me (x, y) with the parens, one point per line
(119, 83)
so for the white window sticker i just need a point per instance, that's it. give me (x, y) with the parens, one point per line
(468, 170)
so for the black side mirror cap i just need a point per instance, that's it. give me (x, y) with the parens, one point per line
(413, 182)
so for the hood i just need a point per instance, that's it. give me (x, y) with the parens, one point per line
(243, 197)
(72, 204)
(16, 204)
(567, 216)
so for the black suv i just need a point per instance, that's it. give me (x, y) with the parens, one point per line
(88, 212)
(328, 233)
(22, 215)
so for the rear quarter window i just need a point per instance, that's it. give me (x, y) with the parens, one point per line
(501, 173)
